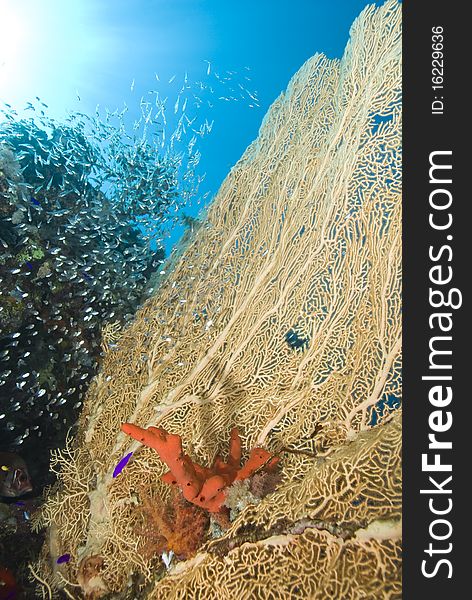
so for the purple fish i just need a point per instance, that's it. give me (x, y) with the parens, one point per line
(63, 559)
(122, 464)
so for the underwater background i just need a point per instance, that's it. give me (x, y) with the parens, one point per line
(118, 123)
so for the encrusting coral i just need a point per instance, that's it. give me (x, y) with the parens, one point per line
(281, 314)
(202, 486)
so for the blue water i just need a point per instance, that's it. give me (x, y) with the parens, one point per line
(84, 53)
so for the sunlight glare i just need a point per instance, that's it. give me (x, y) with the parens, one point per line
(49, 48)
(14, 45)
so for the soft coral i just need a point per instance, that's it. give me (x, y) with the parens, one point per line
(176, 526)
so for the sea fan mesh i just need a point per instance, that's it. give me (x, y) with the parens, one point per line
(280, 315)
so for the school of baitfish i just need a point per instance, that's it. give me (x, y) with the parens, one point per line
(84, 206)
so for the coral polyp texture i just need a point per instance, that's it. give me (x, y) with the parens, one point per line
(281, 316)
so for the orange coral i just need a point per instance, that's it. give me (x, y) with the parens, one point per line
(202, 486)
(177, 526)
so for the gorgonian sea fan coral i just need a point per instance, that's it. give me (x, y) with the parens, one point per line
(291, 325)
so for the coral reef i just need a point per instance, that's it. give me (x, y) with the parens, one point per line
(72, 261)
(282, 315)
